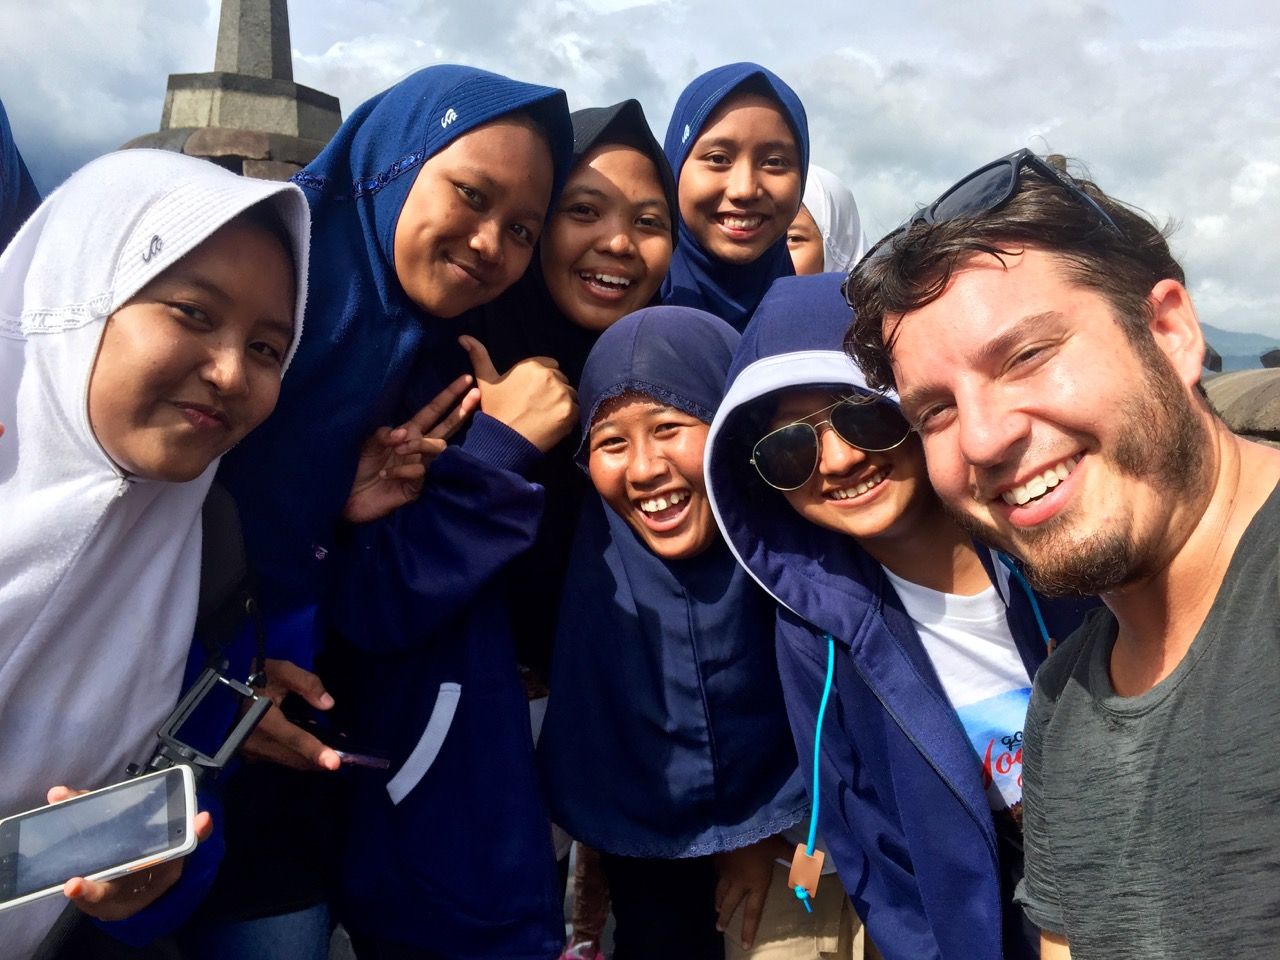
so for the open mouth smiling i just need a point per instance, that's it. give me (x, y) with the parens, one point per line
(869, 482)
(664, 509)
(1040, 484)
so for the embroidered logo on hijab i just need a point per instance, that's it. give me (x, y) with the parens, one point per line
(687, 131)
(153, 248)
(450, 115)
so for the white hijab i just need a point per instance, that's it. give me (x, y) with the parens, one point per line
(834, 210)
(99, 572)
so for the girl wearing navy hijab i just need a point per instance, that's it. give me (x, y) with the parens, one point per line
(427, 203)
(738, 142)
(604, 254)
(663, 681)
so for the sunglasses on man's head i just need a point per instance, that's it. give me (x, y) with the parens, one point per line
(786, 457)
(985, 190)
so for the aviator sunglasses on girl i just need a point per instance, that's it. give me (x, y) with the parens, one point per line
(786, 457)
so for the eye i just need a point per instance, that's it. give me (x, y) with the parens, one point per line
(718, 158)
(267, 350)
(652, 221)
(778, 162)
(1029, 357)
(581, 211)
(524, 234)
(191, 315)
(471, 195)
(933, 417)
(795, 239)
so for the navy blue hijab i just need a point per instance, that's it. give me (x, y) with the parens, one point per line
(697, 278)
(18, 195)
(292, 475)
(526, 322)
(664, 685)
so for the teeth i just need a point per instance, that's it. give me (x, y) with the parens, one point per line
(657, 504)
(607, 279)
(742, 223)
(1039, 485)
(858, 489)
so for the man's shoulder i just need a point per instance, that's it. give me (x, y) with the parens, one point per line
(1071, 659)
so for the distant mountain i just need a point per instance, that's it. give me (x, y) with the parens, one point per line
(1240, 351)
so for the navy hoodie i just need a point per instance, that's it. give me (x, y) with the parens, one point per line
(902, 807)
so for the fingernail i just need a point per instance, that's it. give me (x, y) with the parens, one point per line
(326, 701)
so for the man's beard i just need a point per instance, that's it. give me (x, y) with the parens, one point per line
(1162, 442)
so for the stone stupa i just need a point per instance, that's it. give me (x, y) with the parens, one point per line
(247, 115)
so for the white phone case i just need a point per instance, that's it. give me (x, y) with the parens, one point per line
(137, 865)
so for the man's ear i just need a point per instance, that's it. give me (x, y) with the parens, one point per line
(1176, 330)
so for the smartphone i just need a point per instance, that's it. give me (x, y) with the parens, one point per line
(348, 751)
(124, 828)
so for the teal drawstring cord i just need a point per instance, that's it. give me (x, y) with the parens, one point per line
(1026, 588)
(801, 893)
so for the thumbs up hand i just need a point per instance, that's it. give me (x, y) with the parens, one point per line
(533, 398)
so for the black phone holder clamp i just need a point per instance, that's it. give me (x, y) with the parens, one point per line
(173, 750)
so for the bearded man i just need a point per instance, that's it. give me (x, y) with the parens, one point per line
(1044, 344)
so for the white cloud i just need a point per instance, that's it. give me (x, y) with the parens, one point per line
(1174, 105)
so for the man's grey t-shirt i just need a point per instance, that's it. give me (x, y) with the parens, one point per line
(1153, 822)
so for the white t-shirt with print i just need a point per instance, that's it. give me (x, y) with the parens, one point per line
(982, 673)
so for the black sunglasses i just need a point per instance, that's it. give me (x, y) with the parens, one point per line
(786, 458)
(984, 190)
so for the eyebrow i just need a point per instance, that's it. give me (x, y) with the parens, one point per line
(993, 350)
(584, 190)
(653, 407)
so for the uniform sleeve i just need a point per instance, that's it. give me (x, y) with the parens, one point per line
(402, 577)
(1038, 891)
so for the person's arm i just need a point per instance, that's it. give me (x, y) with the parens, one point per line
(403, 576)
(1053, 947)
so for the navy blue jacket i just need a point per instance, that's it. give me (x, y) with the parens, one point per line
(902, 806)
(450, 849)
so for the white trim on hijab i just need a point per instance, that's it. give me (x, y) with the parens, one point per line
(834, 210)
(99, 572)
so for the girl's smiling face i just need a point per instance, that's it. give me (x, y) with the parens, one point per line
(804, 243)
(467, 229)
(851, 491)
(192, 363)
(740, 185)
(645, 461)
(608, 245)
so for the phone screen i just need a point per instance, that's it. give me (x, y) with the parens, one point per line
(83, 836)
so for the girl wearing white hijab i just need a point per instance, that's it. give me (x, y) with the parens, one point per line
(146, 316)
(826, 235)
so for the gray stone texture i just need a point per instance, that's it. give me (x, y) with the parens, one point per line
(247, 115)
(253, 39)
(1249, 402)
(249, 103)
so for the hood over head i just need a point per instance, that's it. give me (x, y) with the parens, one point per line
(793, 341)
(672, 659)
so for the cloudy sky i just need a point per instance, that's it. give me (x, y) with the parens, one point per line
(1174, 105)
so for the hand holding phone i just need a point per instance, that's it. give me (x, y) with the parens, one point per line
(134, 831)
(280, 740)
